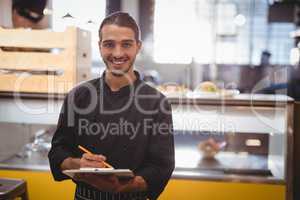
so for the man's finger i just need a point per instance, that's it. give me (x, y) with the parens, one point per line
(93, 164)
(94, 157)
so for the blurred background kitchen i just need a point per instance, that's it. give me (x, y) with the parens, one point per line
(230, 68)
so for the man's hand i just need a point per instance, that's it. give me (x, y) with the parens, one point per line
(135, 184)
(92, 160)
(110, 183)
(87, 160)
(104, 183)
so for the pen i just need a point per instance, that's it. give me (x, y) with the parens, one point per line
(87, 151)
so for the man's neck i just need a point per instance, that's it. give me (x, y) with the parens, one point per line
(117, 82)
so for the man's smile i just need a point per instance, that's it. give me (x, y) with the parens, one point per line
(118, 61)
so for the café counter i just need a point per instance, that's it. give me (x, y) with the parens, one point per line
(235, 172)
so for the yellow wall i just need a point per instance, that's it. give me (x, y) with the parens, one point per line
(209, 190)
(41, 186)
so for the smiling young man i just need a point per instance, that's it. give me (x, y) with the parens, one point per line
(119, 46)
(118, 117)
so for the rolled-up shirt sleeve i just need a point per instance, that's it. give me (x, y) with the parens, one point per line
(63, 141)
(159, 164)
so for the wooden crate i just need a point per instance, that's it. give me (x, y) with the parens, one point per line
(43, 61)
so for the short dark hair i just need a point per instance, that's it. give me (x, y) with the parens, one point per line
(122, 19)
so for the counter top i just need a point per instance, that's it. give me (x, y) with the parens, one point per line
(226, 166)
(265, 100)
(39, 162)
(45, 109)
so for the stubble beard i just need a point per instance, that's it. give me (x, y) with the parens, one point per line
(119, 73)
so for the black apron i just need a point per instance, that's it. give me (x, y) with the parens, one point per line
(84, 192)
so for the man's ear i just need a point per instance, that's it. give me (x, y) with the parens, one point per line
(139, 44)
(99, 46)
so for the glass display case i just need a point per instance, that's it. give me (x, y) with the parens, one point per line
(242, 138)
(27, 126)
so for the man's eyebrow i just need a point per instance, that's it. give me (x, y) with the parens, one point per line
(106, 41)
(129, 40)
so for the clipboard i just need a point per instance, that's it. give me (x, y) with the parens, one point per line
(120, 173)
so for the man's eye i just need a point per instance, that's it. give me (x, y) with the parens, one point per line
(127, 45)
(108, 45)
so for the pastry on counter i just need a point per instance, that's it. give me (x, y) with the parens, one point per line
(210, 147)
(207, 86)
(173, 90)
(211, 90)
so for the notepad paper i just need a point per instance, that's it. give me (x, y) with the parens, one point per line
(122, 173)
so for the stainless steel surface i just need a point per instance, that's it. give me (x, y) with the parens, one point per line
(34, 161)
(220, 176)
(11, 143)
(39, 162)
(223, 161)
(189, 165)
(225, 166)
(25, 146)
(237, 100)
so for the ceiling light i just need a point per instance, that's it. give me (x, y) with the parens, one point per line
(240, 20)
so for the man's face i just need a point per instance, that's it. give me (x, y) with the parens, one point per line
(118, 48)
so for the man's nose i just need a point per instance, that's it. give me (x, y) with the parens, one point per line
(118, 52)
